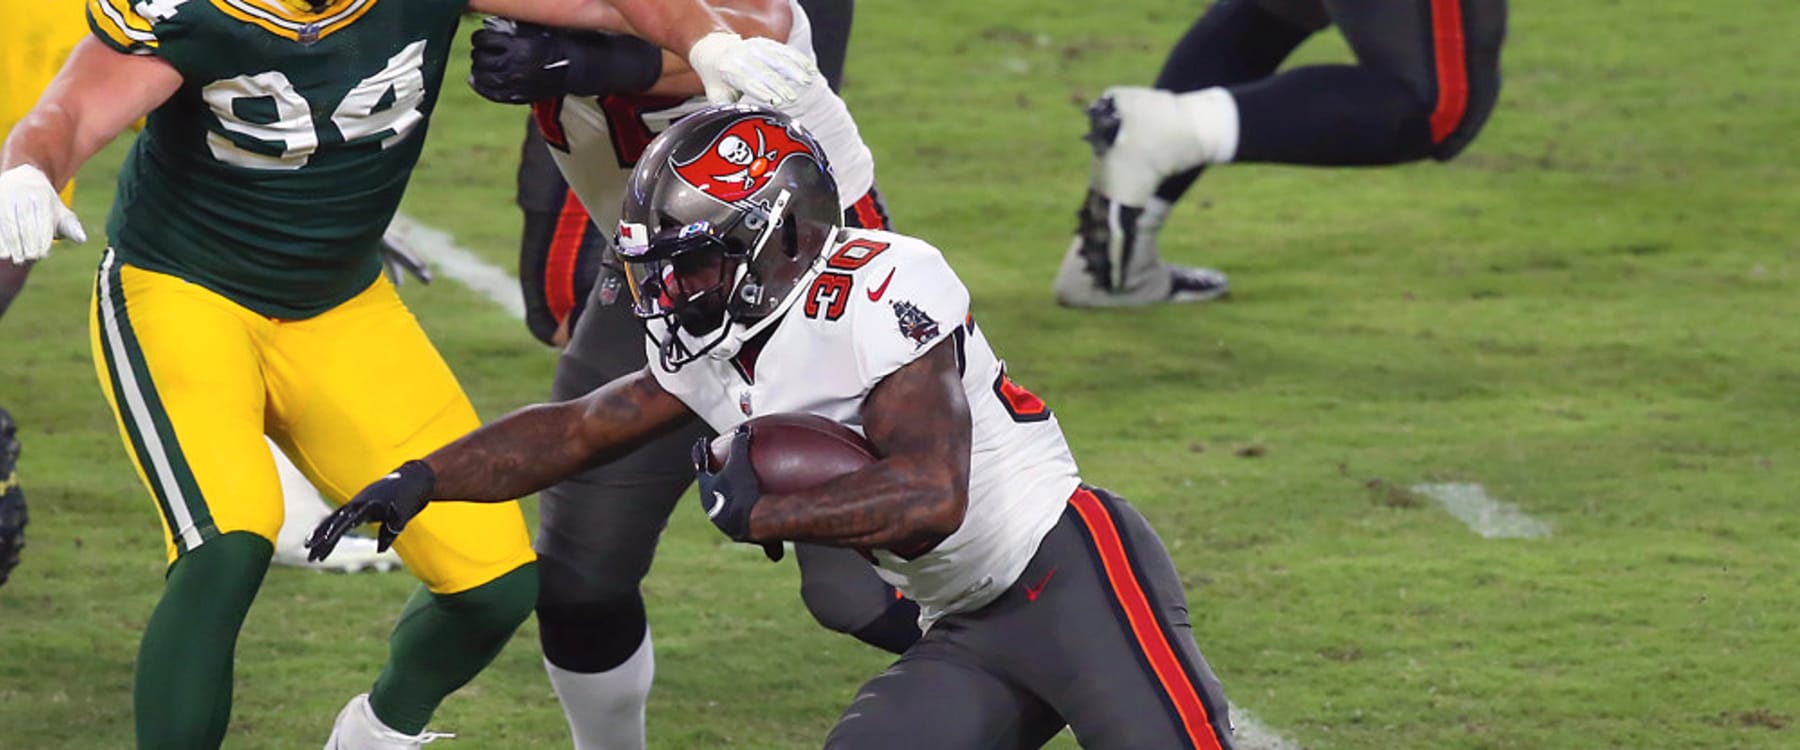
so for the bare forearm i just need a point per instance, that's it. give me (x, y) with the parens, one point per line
(671, 24)
(889, 505)
(681, 83)
(537, 446)
(45, 139)
(95, 97)
(519, 454)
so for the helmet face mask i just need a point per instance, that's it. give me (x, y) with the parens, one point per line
(723, 223)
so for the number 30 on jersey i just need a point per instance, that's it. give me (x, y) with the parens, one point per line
(284, 136)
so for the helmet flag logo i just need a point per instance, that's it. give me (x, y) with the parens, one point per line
(740, 161)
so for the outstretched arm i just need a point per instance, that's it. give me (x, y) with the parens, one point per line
(523, 452)
(671, 24)
(907, 502)
(539, 445)
(97, 95)
(516, 63)
(728, 66)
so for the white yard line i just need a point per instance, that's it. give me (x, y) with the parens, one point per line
(1488, 517)
(458, 263)
(495, 284)
(1250, 733)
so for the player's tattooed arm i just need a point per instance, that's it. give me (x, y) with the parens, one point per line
(913, 497)
(539, 445)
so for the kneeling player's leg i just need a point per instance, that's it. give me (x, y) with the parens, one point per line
(356, 391)
(843, 593)
(179, 366)
(597, 535)
(937, 697)
(1427, 74)
(1234, 42)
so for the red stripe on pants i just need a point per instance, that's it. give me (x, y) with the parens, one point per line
(565, 249)
(1142, 617)
(1452, 68)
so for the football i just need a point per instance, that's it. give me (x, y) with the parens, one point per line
(792, 452)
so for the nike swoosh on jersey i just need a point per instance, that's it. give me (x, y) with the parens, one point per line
(718, 504)
(875, 294)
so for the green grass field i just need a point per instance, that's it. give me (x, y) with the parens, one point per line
(1588, 314)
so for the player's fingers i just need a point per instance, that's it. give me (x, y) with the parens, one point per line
(768, 87)
(12, 239)
(325, 536)
(384, 538)
(68, 226)
(720, 93)
(35, 240)
(798, 69)
(740, 444)
(323, 540)
(702, 455)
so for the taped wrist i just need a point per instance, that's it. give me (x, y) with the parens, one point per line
(603, 64)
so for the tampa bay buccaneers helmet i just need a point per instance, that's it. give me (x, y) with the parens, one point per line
(724, 220)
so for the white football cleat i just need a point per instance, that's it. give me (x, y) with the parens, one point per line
(1140, 137)
(353, 554)
(1113, 261)
(357, 728)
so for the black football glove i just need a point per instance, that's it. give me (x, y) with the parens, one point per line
(391, 501)
(517, 63)
(729, 494)
(520, 63)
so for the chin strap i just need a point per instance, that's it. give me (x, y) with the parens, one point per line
(730, 345)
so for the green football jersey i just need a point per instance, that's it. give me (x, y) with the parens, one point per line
(272, 174)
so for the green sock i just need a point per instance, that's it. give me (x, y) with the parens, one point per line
(182, 693)
(443, 641)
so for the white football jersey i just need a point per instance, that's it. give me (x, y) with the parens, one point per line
(881, 301)
(597, 140)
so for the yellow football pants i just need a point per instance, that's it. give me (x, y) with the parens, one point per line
(195, 381)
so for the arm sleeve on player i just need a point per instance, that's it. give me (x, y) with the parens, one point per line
(602, 64)
(904, 307)
(120, 27)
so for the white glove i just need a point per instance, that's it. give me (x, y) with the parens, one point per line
(32, 216)
(761, 69)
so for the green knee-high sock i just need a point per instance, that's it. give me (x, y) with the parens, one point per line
(443, 641)
(182, 693)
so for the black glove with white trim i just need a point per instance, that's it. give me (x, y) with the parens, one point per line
(519, 63)
(729, 494)
(391, 501)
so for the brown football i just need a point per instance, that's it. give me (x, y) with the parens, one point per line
(791, 452)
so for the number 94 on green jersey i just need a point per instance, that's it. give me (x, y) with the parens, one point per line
(271, 175)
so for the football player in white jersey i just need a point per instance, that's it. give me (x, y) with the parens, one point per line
(1045, 601)
(599, 100)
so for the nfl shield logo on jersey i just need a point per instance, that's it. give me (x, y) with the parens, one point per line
(914, 323)
(744, 403)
